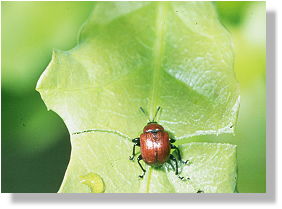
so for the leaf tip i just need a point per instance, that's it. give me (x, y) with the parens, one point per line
(42, 79)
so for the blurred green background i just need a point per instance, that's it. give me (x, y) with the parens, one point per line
(35, 142)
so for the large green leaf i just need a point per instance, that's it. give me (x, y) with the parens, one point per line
(170, 54)
(212, 168)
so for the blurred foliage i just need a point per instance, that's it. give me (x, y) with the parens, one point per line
(35, 143)
(30, 30)
(232, 13)
(249, 37)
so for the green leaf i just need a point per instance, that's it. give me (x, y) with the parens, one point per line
(170, 54)
(42, 26)
(212, 168)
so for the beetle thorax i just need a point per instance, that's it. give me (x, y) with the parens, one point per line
(152, 128)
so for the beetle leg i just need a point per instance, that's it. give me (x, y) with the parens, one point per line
(172, 140)
(136, 142)
(178, 153)
(171, 157)
(133, 153)
(169, 162)
(144, 171)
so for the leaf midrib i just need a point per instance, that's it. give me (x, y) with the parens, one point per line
(156, 68)
(158, 55)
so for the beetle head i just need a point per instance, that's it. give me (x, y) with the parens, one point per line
(153, 127)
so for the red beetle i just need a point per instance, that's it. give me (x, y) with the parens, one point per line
(155, 145)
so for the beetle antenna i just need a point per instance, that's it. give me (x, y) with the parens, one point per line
(156, 113)
(145, 113)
